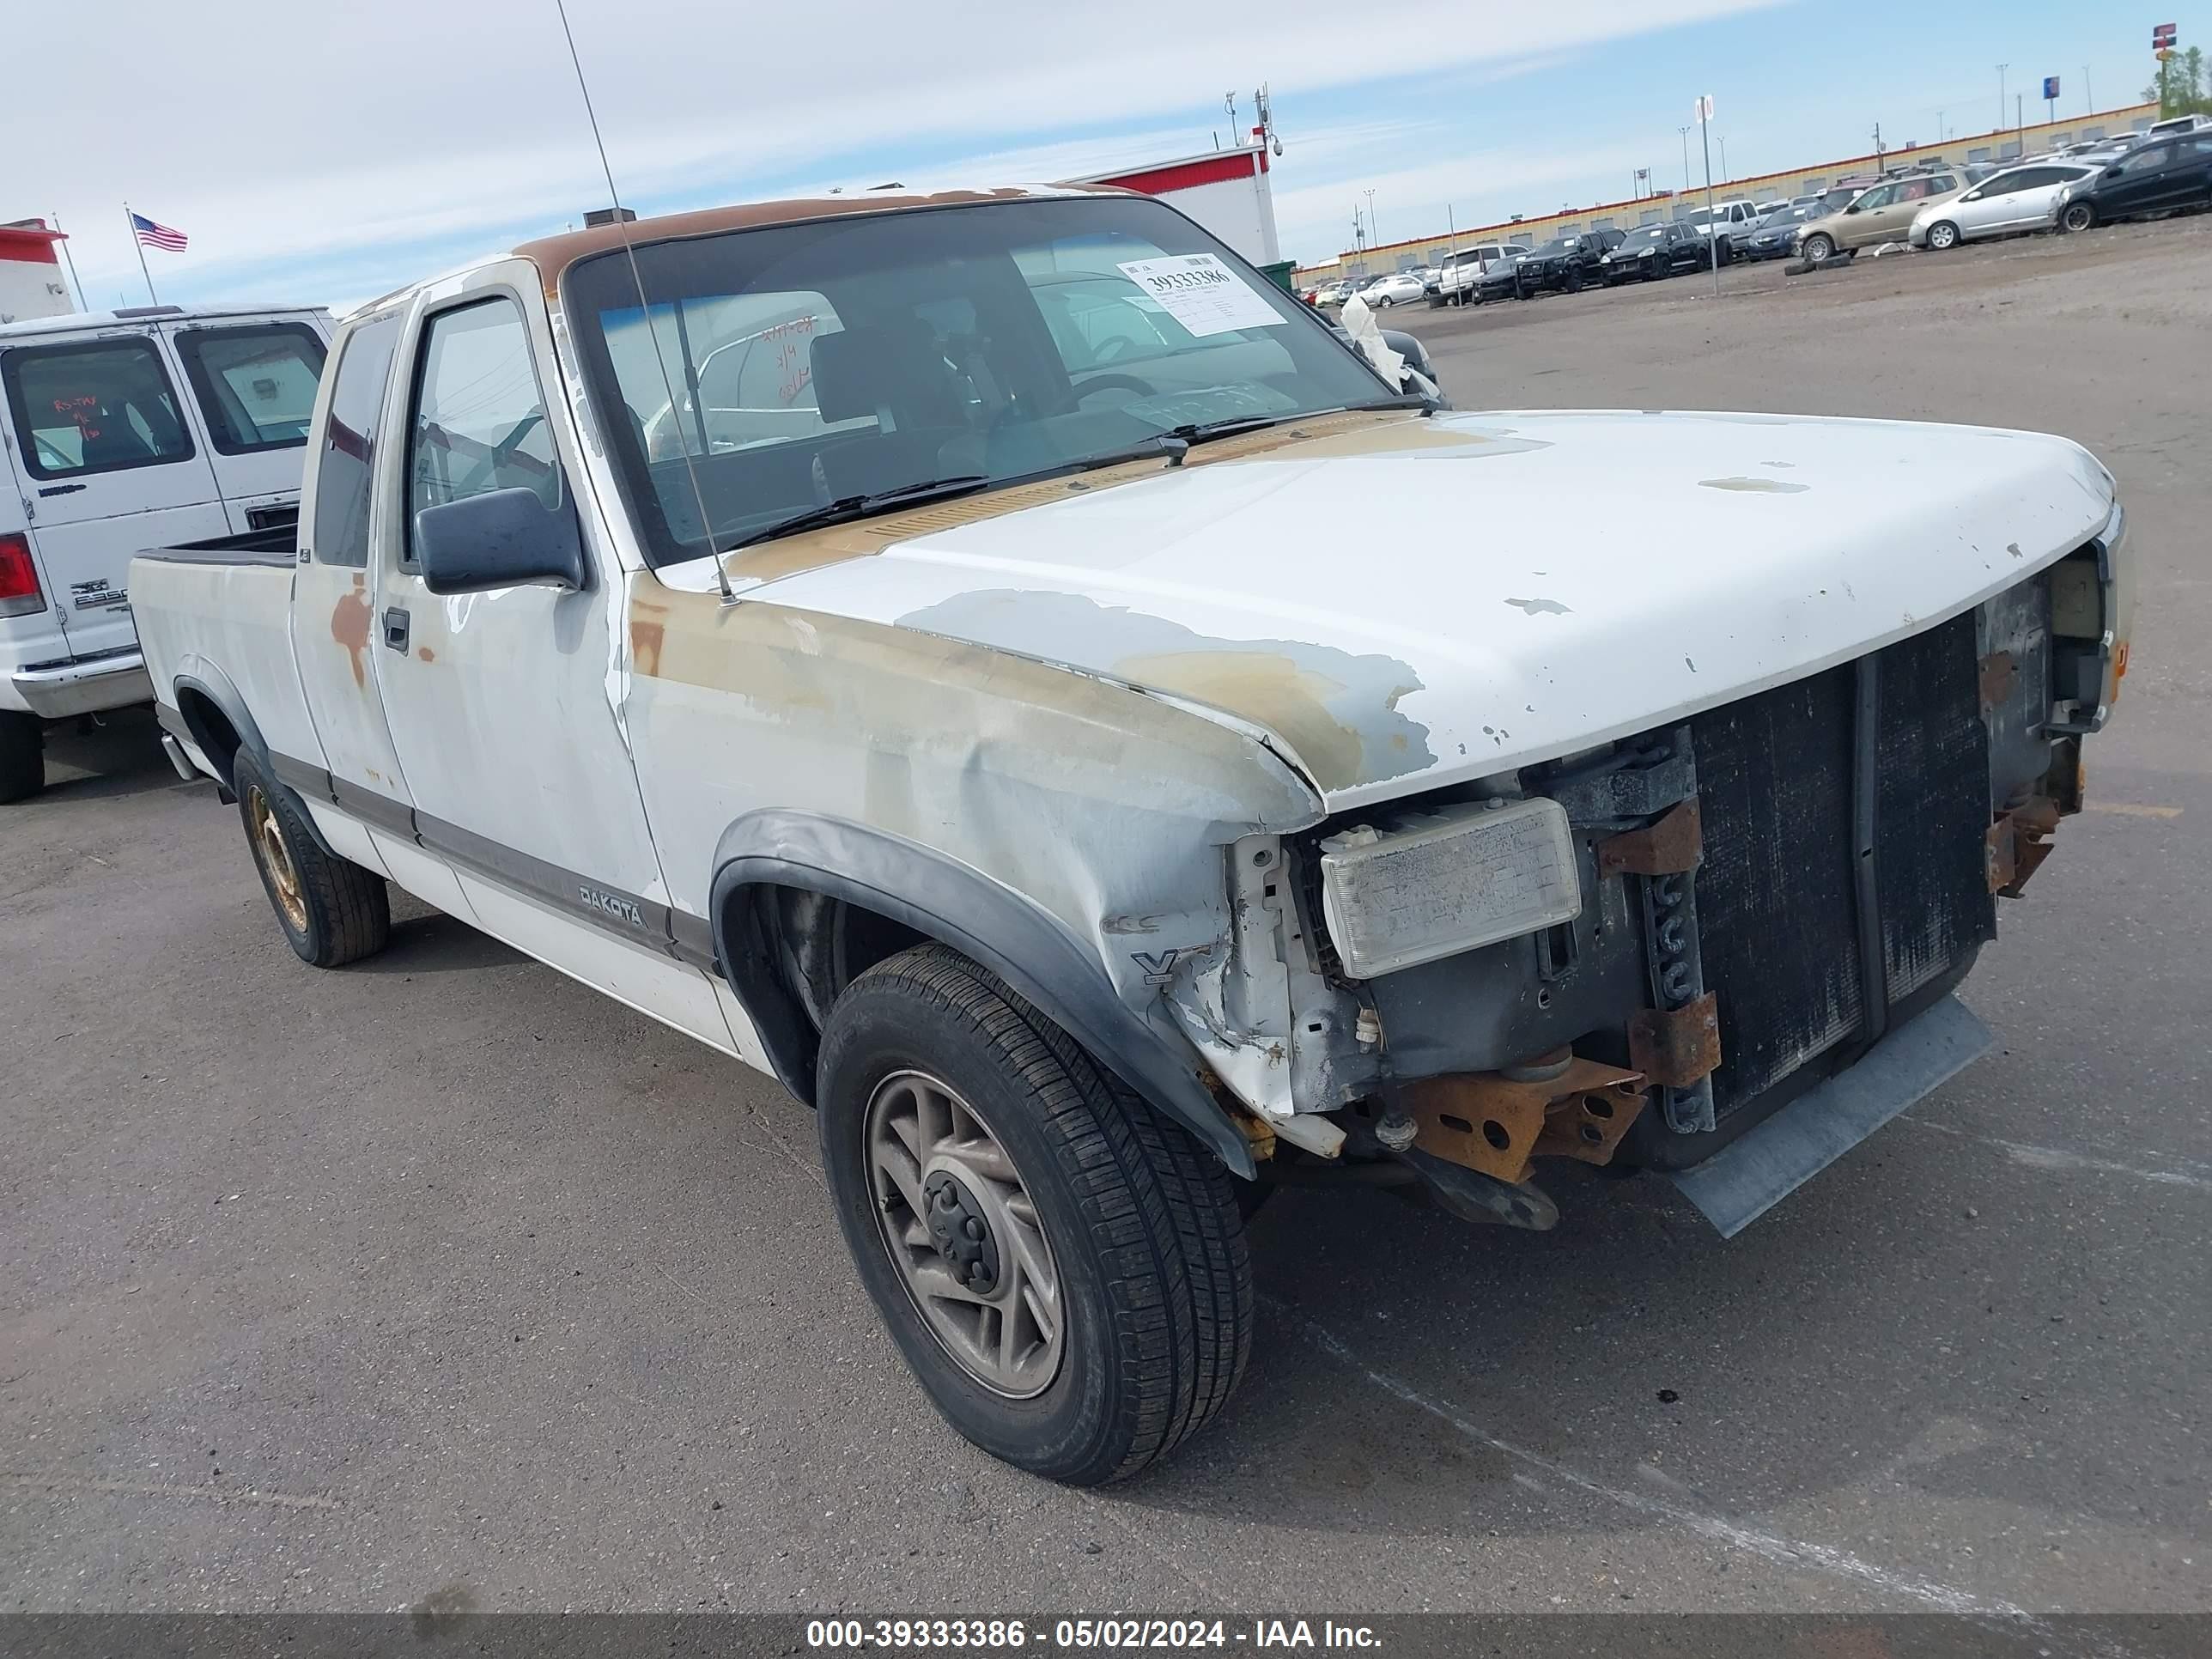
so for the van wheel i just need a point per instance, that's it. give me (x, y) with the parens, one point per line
(1064, 1271)
(22, 755)
(2079, 215)
(1818, 250)
(332, 910)
(1943, 235)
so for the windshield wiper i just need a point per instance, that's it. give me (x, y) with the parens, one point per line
(858, 507)
(1177, 441)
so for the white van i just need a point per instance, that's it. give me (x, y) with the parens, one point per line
(123, 430)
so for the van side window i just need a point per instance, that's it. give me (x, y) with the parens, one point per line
(479, 424)
(103, 406)
(343, 472)
(256, 385)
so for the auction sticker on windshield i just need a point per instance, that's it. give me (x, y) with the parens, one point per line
(1202, 292)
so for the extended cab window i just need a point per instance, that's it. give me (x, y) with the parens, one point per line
(103, 406)
(343, 474)
(256, 385)
(478, 423)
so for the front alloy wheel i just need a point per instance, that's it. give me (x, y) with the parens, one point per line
(1063, 1270)
(1818, 250)
(1943, 235)
(962, 1230)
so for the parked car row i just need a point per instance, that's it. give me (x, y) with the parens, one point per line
(1929, 205)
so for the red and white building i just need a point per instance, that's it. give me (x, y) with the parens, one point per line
(1226, 191)
(31, 280)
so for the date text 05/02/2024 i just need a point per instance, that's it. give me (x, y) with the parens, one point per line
(1086, 1634)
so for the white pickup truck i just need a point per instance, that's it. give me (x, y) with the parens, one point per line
(987, 659)
(127, 429)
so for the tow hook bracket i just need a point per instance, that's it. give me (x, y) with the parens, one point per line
(2018, 842)
(1667, 847)
(1676, 1047)
(1488, 1122)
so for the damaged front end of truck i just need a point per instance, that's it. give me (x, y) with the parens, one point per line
(1723, 950)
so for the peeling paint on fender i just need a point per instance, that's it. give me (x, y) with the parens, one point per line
(1338, 710)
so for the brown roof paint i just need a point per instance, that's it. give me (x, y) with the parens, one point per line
(554, 254)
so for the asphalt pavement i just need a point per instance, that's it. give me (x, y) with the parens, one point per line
(442, 1281)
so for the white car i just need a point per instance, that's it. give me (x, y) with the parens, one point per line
(1400, 287)
(125, 430)
(1732, 220)
(2004, 204)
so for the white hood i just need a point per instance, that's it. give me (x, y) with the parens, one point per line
(1447, 598)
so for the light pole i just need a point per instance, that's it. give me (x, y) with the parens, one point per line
(1685, 131)
(1372, 230)
(1725, 174)
(2001, 67)
(2088, 98)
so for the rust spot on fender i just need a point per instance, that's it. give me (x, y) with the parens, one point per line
(645, 638)
(349, 627)
(425, 654)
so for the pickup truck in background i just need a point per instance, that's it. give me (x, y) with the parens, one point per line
(1058, 750)
(123, 430)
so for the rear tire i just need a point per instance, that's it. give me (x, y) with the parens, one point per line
(332, 910)
(22, 755)
(1133, 1223)
(2078, 216)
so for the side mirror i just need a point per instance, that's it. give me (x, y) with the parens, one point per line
(501, 538)
(1971, 196)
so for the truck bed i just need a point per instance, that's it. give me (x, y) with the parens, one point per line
(276, 543)
(215, 621)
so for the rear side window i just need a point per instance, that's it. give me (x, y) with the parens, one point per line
(256, 385)
(479, 423)
(344, 473)
(102, 406)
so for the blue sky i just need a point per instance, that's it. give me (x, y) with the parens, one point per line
(323, 159)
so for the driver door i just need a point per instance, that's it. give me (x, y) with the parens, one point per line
(506, 706)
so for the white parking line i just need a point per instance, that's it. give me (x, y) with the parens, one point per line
(2055, 1157)
(1770, 1546)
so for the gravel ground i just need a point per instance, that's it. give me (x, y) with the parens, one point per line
(444, 1281)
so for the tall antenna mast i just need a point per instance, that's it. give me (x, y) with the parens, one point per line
(645, 315)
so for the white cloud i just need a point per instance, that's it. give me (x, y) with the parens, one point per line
(342, 140)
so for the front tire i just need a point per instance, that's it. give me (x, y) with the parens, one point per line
(332, 910)
(1943, 236)
(22, 755)
(2078, 216)
(1086, 1303)
(1818, 250)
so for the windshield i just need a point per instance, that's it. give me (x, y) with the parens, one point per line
(1648, 234)
(817, 362)
(1557, 245)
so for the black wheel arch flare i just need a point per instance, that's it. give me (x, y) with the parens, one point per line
(935, 894)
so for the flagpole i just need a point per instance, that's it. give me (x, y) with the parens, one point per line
(71, 263)
(130, 224)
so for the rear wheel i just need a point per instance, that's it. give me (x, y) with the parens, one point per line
(22, 755)
(332, 910)
(1575, 279)
(1943, 235)
(2079, 215)
(1064, 1271)
(1819, 248)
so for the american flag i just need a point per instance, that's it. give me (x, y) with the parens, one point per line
(151, 234)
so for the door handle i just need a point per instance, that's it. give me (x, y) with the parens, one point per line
(395, 629)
